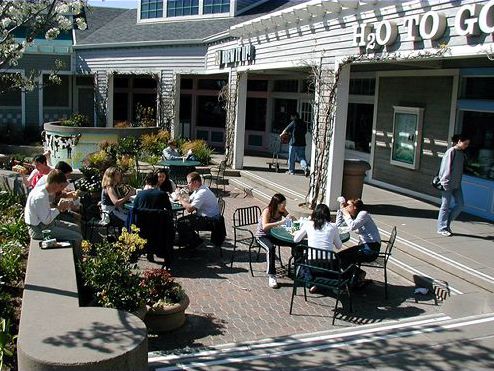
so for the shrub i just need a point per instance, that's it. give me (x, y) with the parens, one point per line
(11, 265)
(145, 116)
(100, 160)
(154, 144)
(107, 272)
(91, 182)
(200, 150)
(76, 120)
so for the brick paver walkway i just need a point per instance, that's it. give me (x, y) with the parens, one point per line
(229, 305)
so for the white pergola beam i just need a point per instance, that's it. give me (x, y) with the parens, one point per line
(352, 4)
(331, 6)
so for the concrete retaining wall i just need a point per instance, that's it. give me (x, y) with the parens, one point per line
(56, 334)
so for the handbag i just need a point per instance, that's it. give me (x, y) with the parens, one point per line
(285, 138)
(436, 183)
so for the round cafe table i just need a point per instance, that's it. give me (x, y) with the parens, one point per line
(179, 163)
(281, 236)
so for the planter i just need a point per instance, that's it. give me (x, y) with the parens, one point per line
(73, 144)
(167, 318)
(140, 313)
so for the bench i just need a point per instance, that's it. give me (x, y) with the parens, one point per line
(55, 333)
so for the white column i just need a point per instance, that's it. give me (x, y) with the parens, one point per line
(337, 145)
(240, 111)
(109, 105)
(176, 127)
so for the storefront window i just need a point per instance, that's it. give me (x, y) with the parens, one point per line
(289, 86)
(359, 127)
(257, 85)
(479, 127)
(282, 110)
(210, 112)
(362, 86)
(478, 88)
(186, 83)
(151, 9)
(210, 84)
(255, 119)
(56, 95)
(407, 136)
(9, 97)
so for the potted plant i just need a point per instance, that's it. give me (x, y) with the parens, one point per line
(109, 276)
(165, 299)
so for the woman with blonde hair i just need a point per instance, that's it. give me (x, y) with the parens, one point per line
(111, 202)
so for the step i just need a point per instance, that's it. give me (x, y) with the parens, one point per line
(404, 335)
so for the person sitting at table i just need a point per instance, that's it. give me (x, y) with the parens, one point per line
(353, 214)
(152, 197)
(69, 192)
(171, 152)
(272, 216)
(164, 182)
(205, 213)
(39, 215)
(321, 234)
(111, 203)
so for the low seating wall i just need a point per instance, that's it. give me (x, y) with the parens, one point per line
(57, 334)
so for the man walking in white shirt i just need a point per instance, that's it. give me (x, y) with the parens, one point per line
(39, 215)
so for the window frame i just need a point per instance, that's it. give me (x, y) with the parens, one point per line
(417, 141)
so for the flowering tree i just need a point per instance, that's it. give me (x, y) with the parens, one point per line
(33, 19)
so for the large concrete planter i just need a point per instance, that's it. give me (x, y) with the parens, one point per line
(167, 318)
(72, 144)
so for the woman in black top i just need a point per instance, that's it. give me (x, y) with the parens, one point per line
(165, 184)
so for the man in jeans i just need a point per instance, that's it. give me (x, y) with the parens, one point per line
(296, 150)
(39, 215)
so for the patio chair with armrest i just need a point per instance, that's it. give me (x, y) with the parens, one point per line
(382, 260)
(218, 176)
(323, 266)
(108, 221)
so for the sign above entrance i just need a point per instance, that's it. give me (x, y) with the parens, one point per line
(470, 20)
(240, 54)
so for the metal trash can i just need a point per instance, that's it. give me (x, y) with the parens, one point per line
(353, 178)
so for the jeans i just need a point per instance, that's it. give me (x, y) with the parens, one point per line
(266, 243)
(446, 213)
(296, 153)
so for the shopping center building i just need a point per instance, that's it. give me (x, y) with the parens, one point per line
(421, 71)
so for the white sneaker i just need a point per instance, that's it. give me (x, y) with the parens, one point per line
(272, 282)
(444, 233)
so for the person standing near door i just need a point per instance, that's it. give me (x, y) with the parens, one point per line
(296, 150)
(450, 173)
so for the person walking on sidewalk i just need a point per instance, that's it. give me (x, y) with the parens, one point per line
(450, 174)
(296, 150)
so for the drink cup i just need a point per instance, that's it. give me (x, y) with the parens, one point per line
(46, 234)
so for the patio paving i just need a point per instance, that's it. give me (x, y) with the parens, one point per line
(229, 305)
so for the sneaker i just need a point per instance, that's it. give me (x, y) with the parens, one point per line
(290, 172)
(272, 282)
(307, 172)
(313, 290)
(444, 233)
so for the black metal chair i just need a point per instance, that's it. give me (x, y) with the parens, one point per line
(218, 176)
(382, 260)
(109, 222)
(322, 270)
(221, 206)
(243, 218)
(179, 174)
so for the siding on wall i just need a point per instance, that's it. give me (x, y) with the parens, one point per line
(433, 93)
(141, 59)
(334, 37)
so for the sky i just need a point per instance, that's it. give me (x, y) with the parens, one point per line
(129, 4)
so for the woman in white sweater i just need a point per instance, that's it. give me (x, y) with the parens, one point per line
(321, 234)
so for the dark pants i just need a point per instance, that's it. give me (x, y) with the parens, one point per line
(364, 253)
(187, 227)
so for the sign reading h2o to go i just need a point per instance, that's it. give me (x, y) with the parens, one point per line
(470, 20)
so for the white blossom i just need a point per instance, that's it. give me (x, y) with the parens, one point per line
(52, 33)
(81, 24)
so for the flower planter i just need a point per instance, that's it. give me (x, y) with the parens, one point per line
(167, 318)
(140, 313)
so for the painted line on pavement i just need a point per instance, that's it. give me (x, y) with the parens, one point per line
(386, 326)
(451, 262)
(362, 340)
(277, 185)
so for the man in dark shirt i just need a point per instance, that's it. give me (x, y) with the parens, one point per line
(296, 151)
(152, 197)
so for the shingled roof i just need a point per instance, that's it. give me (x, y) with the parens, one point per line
(117, 26)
